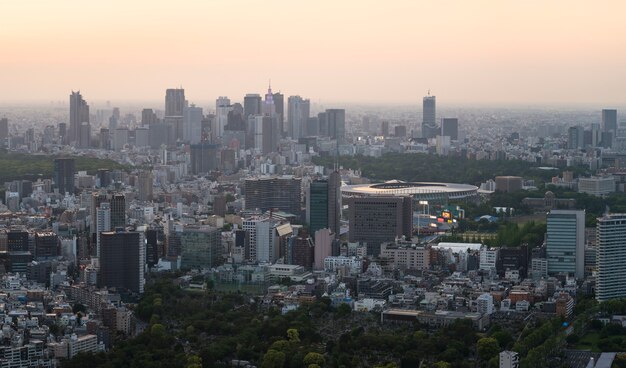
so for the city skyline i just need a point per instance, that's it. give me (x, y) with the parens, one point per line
(377, 53)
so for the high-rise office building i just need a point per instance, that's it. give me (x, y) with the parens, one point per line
(323, 209)
(144, 185)
(565, 242)
(63, 134)
(17, 240)
(298, 115)
(205, 157)
(46, 245)
(222, 108)
(609, 120)
(122, 258)
(337, 124)
(103, 223)
(148, 116)
(192, 124)
(279, 106)
(174, 102)
(450, 128)
(266, 134)
(251, 105)
(84, 135)
(201, 247)
(375, 220)
(575, 137)
(268, 107)
(79, 113)
(279, 193)
(4, 131)
(117, 203)
(429, 118)
(63, 175)
(610, 256)
(384, 128)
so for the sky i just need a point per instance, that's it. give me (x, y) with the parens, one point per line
(354, 51)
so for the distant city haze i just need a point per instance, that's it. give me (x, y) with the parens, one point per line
(482, 52)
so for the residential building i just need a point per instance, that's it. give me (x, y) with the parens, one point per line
(611, 253)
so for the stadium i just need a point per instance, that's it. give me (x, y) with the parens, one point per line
(420, 191)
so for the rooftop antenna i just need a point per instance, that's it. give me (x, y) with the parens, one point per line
(429, 91)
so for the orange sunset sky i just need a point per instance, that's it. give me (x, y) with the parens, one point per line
(505, 52)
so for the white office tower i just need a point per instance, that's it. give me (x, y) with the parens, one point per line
(192, 124)
(509, 359)
(103, 222)
(565, 242)
(484, 304)
(222, 108)
(611, 257)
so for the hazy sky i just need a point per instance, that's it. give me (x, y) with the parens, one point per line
(466, 51)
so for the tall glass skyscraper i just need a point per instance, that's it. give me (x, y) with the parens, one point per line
(611, 253)
(565, 243)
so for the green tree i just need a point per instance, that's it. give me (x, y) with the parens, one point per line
(273, 359)
(314, 358)
(487, 348)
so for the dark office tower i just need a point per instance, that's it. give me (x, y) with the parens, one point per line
(205, 157)
(317, 205)
(429, 122)
(63, 175)
(144, 186)
(609, 120)
(17, 241)
(323, 209)
(105, 139)
(375, 220)
(148, 117)
(174, 102)
(337, 124)
(450, 128)
(122, 260)
(300, 250)
(575, 137)
(279, 105)
(399, 131)
(279, 193)
(104, 177)
(117, 204)
(84, 135)
(152, 247)
(313, 126)
(298, 115)
(63, 138)
(79, 113)
(4, 131)
(251, 105)
(384, 129)
(265, 134)
(322, 120)
(46, 245)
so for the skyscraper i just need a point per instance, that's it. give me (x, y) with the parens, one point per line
(192, 124)
(63, 175)
(575, 137)
(222, 108)
(337, 124)
(298, 115)
(450, 128)
(79, 113)
(323, 209)
(265, 134)
(609, 120)
(279, 106)
(251, 105)
(103, 222)
(205, 157)
(610, 256)
(148, 116)
(117, 203)
(565, 242)
(200, 247)
(84, 135)
(4, 131)
(429, 119)
(144, 185)
(122, 257)
(174, 101)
